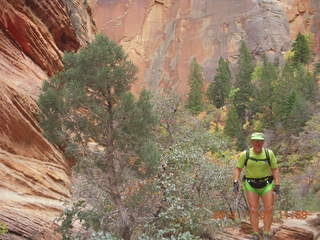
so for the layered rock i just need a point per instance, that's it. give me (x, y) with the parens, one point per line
(162, 36)
(35, 176)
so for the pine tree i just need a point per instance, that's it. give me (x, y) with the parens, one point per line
(301, 49)
(291, 92)
(218, 90)
(233, 127)
(243, 97)
(281, 93)
(195, 98)
(87, 110)
(305, 82)
(265, 91)
(295, 112)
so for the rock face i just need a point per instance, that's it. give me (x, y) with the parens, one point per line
(35, 176)
(304, 16)
(162, 36)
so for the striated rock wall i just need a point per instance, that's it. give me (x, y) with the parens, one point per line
(304, 16)
(162, 36)
(35, 176)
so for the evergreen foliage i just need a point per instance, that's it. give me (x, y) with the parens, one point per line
(189, 180)
(266, 78)
(301, 49)
(293, 90)
(87, 110)
(218, 90)
(317, 68)
(195, 99)
(244, 96)
(233, 127)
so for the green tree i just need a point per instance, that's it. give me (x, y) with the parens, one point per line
(233, 127)
(305, 82)
(195, 98)
(301, 50)
(295, 112)
(317, 68)
(268, 75)
(87, 110)
(291, 92)
(244, 96)
(218, 90)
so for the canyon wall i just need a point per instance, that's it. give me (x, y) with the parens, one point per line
(35, 176)
(162, 36)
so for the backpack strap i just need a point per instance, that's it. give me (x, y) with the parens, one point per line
(267, 159)
(247, 156)
(266, 151)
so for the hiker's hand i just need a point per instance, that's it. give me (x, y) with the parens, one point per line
(276, 189)
(235, 186)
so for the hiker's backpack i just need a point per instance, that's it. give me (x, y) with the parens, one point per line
(267, 159)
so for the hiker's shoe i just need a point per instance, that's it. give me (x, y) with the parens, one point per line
(255, 236)
(266, 236)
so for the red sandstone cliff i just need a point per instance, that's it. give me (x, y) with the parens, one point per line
(35, 176)
(162, 36)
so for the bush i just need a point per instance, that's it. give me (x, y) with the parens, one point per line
(3, 228)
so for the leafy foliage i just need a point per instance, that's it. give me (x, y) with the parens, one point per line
(3, 228)
(87, 110)
(133, 189)
(188, 182)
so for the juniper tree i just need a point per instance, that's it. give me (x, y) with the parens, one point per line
(195, 99)
(88, 111)
(219, 89)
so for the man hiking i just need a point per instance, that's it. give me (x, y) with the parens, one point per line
(262, 179)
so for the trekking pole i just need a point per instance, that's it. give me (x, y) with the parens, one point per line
(237, 219)
(277, 204)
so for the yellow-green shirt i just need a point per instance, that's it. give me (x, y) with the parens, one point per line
(257, 169)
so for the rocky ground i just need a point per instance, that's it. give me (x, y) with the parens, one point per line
(291, 227)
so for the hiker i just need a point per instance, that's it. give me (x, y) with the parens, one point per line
(262, 179)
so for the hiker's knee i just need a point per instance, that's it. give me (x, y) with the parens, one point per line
(268, 209)
(254, 210)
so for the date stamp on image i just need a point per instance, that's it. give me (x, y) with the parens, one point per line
(295, 214)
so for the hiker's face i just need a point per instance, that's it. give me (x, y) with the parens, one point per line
(257, 145)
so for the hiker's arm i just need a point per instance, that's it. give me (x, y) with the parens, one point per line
(239, 166)
(276, 175)
(237, 173)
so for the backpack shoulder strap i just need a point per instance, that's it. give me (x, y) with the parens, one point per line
(267, 155)
(247, 156)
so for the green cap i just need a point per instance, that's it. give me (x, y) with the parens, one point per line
(257, 136)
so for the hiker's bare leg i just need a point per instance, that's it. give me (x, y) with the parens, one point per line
(253, 200)
(268, 210)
